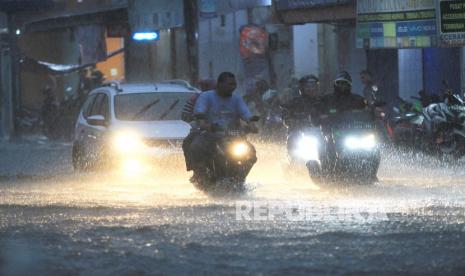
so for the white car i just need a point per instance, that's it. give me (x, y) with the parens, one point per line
(129, 126)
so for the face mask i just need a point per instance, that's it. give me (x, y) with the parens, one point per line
(341, 90)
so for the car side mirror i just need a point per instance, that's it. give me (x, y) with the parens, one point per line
(96, 120)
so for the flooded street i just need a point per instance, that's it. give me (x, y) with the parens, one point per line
(101, 100)
(106, 223)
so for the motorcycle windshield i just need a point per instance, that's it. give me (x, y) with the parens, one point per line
(355, 119)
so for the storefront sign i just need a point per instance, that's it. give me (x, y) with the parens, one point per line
(298, 4)
(253, 41)
(386, 6)
(226, 6)
(148, 15)
(208, 8)
(396, 24)
(451, 21)
(416, 28)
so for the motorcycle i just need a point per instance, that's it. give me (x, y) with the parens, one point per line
(444, 127)
(346, 149)
(232, 159)
(405, 120)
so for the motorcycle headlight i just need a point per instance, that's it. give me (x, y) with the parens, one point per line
(367, 142)
(240, 149)
(127, 143)
(307, 148)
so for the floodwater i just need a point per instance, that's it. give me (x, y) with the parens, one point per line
(109, 223)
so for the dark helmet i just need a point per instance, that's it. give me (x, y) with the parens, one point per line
(308, 78)
(343, 84)
(309, 83)
(343, 76)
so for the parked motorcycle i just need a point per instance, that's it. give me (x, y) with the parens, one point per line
(444, 127)
(405, 120)
(438, 129)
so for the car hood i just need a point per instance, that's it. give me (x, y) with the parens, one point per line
(156, 129)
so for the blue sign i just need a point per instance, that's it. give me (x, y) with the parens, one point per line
(376, 30)
(146, 36)
(416, 28)
(208, 8)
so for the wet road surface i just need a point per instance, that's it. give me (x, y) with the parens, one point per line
(55, 221)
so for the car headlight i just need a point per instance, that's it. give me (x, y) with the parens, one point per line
(127, 143)
(307, 148)
(367, 142)
(240, 149)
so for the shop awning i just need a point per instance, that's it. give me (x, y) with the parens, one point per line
(32, 64)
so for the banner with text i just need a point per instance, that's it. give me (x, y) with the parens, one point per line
(451, 22)
(396, 24)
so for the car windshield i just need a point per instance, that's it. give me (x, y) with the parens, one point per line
(150, 106)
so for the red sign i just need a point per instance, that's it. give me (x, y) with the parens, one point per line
(253, 41)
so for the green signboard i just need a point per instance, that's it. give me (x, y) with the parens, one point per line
(451, 19)
(396, 24)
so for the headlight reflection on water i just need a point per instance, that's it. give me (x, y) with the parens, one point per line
(403, 187)
(127, 142)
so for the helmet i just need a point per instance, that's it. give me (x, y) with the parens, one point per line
(343, 76)
(309, 85)
(308, 78)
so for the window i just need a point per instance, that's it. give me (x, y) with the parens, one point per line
(150, 106)
(104, 107)
(95, 110)
(100, 106)
(87, 106)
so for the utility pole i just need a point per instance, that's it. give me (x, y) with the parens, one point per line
(191, 25)
(173, 53)
(9, 82)
(15, 73)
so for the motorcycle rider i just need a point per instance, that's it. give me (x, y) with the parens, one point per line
(342, 100)
(216, 108)
(187, 115)
(309, 87)
(298, 111)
